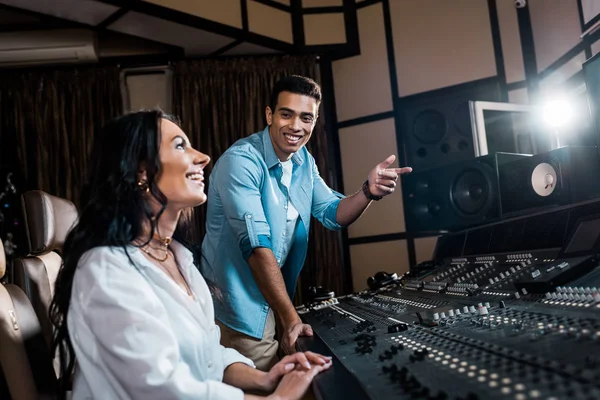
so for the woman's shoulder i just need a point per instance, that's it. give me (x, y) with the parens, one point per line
(105, 258)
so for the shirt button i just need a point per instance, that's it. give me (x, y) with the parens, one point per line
(285, 207)
(278, 260)
(249, 216)
(284, 234)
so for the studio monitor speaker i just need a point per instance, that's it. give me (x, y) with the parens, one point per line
(559, 177)
(455, 196)
(436, 126)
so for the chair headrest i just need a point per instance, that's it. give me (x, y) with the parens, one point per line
(48, 220)
(2, 260)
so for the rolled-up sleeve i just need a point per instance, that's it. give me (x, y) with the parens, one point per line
(238, 179)
(138, 353)
(232, 356)
(325, 200)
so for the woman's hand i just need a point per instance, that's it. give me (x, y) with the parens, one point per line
(306, 361)
(294, 384)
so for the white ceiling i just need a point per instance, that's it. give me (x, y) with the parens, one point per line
(88, 12)
(80, 13)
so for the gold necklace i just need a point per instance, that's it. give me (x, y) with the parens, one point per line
(155, 257)
(166, 241)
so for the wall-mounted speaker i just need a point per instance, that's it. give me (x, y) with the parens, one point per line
(561, 176)
(436, 126)
(455, 196)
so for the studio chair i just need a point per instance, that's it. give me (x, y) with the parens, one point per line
(48, 220)
(26, 370)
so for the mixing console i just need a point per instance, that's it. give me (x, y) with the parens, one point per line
(471, 324)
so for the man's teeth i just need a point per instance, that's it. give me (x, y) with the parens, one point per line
(293, 138)
(195, 176)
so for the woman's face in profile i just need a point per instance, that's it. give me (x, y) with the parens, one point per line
(181, 178)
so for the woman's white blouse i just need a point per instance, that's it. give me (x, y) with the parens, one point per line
(138, 335)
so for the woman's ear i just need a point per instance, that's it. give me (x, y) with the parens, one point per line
(142, 175)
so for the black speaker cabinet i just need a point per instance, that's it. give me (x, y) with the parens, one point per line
(559, 177)
(436, 126)
(454, 196)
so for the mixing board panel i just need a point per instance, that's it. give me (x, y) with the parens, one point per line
(511, 325)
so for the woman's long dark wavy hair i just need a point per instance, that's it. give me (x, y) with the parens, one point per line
(113, 211)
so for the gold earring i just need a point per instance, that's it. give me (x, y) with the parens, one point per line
(143, 185)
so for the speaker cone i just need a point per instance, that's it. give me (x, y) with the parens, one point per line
(471, 192)
(429, 126)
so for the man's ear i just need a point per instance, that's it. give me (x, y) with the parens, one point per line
(269, 115)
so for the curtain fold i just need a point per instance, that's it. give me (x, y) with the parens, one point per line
(221, 101)
(48, 120)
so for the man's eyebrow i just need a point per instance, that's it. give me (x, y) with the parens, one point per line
(304, 113)
(286, 109)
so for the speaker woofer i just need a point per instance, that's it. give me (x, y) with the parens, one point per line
(472, 192)
(429, 126)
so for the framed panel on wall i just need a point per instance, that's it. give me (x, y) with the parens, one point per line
(147, 88)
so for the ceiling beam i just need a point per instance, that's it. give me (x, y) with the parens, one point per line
(114, 17)
(194, 21)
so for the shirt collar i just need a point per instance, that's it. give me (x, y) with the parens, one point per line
(270, 157)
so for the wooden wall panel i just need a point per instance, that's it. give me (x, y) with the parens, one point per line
(441, 43)
(370, 258)
(269, 21)
(362, 147)
(324, 29)
(362, 83)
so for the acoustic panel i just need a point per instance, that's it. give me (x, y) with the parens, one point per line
(511, 41)
(518, 96)
(424, 248)
(556, 29)
(269, 21)
(228, 12)
(362, 147)
(148, 91)
(441, 43)
(322, 29)
(370, 258)
(362, 83)
(595, 47)
(553, 81)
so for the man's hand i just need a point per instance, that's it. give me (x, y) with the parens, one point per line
(290, 335)
(382, 180)
(298, 361)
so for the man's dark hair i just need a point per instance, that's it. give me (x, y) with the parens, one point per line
(298, 85)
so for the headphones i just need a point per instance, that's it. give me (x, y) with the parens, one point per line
(381, 279)
(319, 293)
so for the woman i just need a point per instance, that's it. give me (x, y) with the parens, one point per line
(129, 302)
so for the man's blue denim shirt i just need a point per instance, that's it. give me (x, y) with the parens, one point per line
(247, 208)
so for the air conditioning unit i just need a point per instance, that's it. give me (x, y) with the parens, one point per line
(47, 47)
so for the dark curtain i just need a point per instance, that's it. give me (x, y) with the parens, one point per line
(47, 124)
(221, 101)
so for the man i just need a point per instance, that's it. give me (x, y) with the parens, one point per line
(262, 193)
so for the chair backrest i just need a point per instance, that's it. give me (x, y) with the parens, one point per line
(48, 220)
(26, 367)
